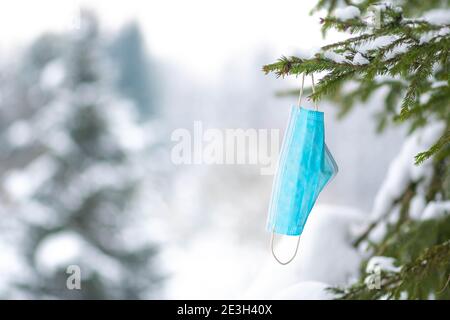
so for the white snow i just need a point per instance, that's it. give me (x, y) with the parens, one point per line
(95, 177)
(20, 184)
(13, 269)
(426, 37)
(350, 86)
(417, 206)
(52, 117)
(394, 216)
(436, 35)
(402, 48)
(347, 13)
(439, 84)
(437, 16)
(325, 255)
(17, 184)
(377, 234)
(444, 31)
(402, 170)
(331, 55)
(383, 264)
(59, 142)
(19, 133)
(359, 59)
(380, 7)
(436, 209)
(210, 266)
(36, 213)
(59, 250)
(376, 44)
(122, 123)
(306, 290)
(53, 75)
(424, 98)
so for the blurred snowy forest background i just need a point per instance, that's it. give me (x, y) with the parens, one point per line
(86, 114)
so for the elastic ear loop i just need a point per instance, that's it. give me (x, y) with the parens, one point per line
(273, 233)
(301, 91)
(275, 256)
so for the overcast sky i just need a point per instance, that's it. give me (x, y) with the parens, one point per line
(199, 34)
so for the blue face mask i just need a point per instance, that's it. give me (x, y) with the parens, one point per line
(304, 168)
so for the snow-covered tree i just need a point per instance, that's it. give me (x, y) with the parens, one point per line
(78, 175)
(398, 51)
(137, 76)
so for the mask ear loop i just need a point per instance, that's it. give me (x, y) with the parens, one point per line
(314, 91)
(301, 91)
(275, 256)
(273, 233)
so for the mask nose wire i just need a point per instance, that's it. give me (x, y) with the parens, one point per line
(275, 256)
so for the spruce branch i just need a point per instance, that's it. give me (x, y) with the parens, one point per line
(432, 263)
(408, 57)
(439, 145)
(406, 54)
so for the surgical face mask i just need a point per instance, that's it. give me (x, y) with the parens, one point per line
(304, 168)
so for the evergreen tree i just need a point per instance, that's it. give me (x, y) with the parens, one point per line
(75, 198)
(402, 47)
(136, 74)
